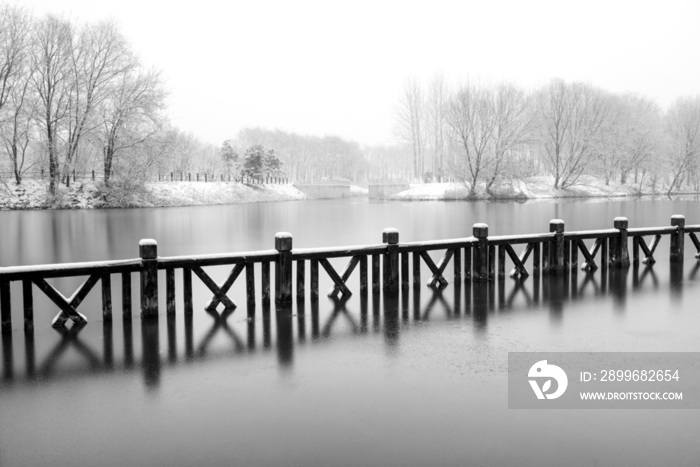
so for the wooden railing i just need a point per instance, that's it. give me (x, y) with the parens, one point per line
(476, 258)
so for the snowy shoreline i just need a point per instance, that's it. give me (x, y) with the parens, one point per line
(533, 188)
(88, 195)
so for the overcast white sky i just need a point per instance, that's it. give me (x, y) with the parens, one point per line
(322, 67)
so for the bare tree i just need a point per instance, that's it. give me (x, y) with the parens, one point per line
(99, 57)
(19, 128)
(683, 130)
(437, 95)
(630, 136)
(16, 105)
(643, 136)
(15, 28)
(570, 120)
(51, 61)
(513, 121)
(471, 117)
(410, 123)
(130, 114)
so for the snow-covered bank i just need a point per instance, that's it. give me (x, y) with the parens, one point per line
(32, 194)
(531, 188)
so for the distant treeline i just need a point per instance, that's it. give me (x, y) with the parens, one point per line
(483, 133)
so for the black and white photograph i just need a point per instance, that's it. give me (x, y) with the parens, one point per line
(371, 233)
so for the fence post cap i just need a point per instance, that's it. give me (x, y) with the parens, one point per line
(556, 226)
(480, 230)
(678, 219)
(283, 241)
(148, 248)
(390, 236)
(620, 223)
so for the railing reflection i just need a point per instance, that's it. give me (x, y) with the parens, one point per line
(389, 313)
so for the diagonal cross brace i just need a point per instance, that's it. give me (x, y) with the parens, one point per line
(219, 292)
(337, 280)
(694, 238)
(437, 270)
(67, 305)
(519, 262)
(649, 250)
(590, 264)
(346, 275)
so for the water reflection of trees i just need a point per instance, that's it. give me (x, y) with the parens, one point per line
(387, 313)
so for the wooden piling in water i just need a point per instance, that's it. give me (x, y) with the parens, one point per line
(404, 269)
(5, 308)
(416, 269)
(468, 263)
(501, 261)
(187, 290)
(492, 262)
(126, 295)
(283, 268)
(375, 273)
(265, 279)
(619, 254)
(250, 283)
(390, 237)
(28, 302)
(557, 249)
(106, 281)
(676, 253)
(457, 260)
(148, 250)
(170, 291)
(313, 279)
(301, 280)
(481, 232)
(363, 274)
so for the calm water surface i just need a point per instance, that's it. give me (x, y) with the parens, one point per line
(421, 380)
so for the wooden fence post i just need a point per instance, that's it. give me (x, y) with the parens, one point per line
(148, 250)
(283, 268)
(391, 259)
(619, 255)
(301, 280)
(556, 250)
(5, 308)
(481, 232)
(677, 237)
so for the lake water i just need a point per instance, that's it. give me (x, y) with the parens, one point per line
(414, 382)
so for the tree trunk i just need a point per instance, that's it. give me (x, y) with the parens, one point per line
(108, 157)
(53, 162)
